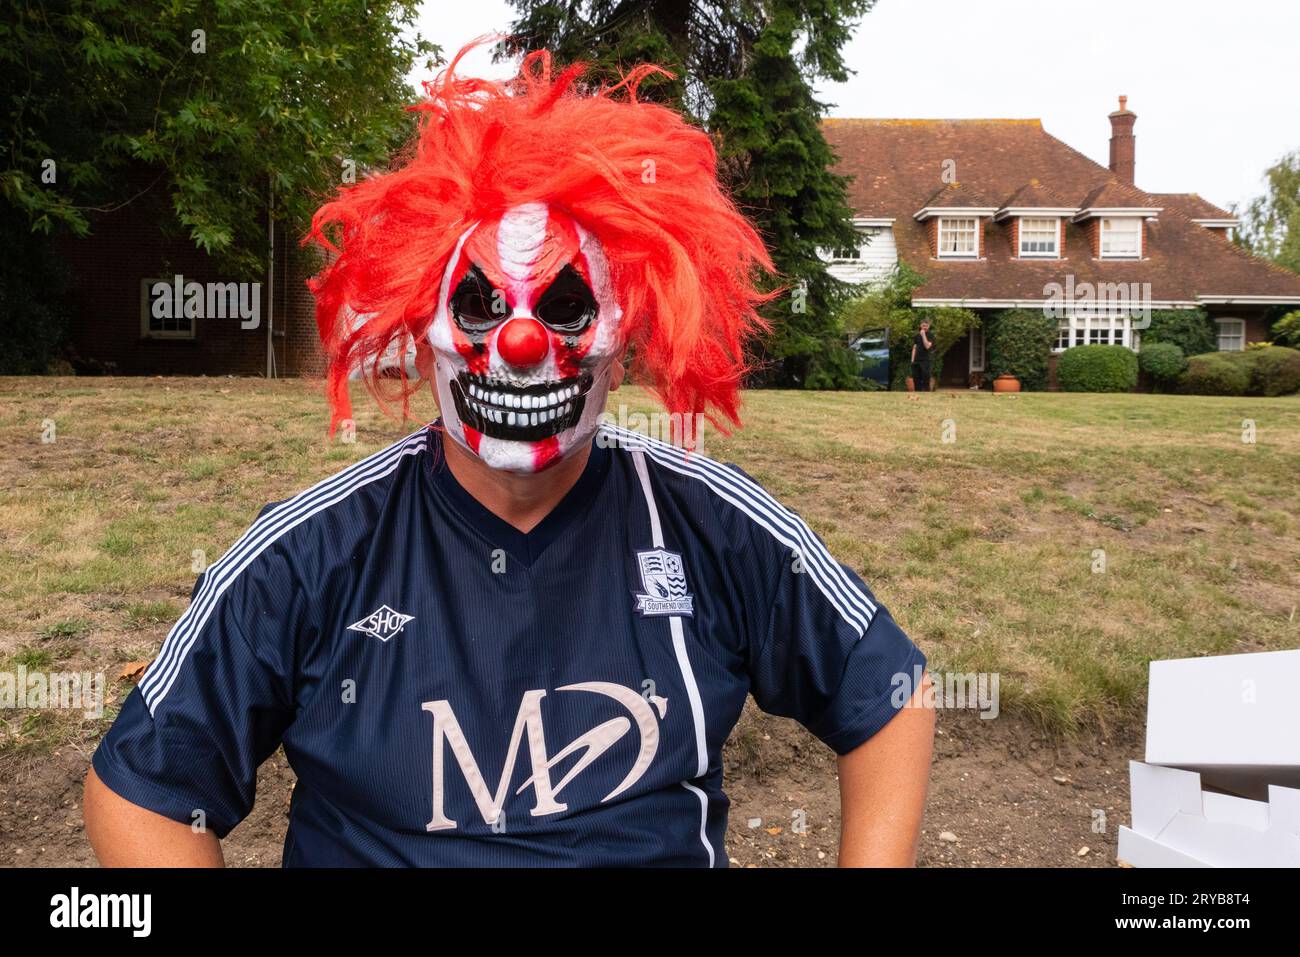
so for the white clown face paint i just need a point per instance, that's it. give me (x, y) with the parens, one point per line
(525, 338)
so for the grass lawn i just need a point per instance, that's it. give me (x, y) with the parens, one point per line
(1060, 540)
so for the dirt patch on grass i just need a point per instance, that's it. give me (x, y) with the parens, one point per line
(1007, 795)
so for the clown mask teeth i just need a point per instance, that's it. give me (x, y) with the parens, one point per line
(520, 413)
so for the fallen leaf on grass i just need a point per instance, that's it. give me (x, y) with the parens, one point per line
(132, 671)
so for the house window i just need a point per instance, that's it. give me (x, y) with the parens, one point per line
(1121, 237)
(1095, 330)
(957, 236)
(847, 254)
(1039, 237)
(161, 317)
(1232, 334)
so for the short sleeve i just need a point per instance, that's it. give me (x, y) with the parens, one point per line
(832, 658)
(211, 707)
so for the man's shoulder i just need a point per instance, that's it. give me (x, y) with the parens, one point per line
(324, 510)
(723, 499)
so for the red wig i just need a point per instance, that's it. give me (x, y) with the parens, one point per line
(683, 260)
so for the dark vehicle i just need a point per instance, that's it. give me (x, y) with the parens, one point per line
(872, 348)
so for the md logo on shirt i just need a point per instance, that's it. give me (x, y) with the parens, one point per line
(447, 735)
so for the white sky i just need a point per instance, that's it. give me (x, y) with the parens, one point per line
(1213, 82)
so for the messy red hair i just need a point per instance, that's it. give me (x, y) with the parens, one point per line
(682, 258)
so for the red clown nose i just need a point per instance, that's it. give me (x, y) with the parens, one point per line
(522, 341)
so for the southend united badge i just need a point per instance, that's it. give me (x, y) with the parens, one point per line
(664, 579)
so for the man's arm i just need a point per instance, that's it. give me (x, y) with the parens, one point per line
(125, 835)
(883, 785)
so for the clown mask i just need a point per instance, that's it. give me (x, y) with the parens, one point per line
(525, 338)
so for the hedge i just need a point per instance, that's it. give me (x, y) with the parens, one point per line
(1189, 329)
(1216, 373)
(1164, 362)
(1274, 370)
(1097, 369)
(1019, 344)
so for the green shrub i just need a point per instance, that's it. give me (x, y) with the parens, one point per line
(1097, 369)
(1019, 344)
(1286, 331)
(1216, 373)
(1164, 362)
(1189, 329)
(1274, 370)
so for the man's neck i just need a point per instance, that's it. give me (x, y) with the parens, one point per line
(520, 499)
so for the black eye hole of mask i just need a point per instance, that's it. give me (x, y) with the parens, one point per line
(476, 305)
(568, 305)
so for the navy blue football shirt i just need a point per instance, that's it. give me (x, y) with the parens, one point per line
(453, 692)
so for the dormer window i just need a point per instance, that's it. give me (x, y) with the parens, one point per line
(1121, 237)
(958, 237)
(1040, 237)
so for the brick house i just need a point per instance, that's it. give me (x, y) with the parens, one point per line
(1000, 214)
(119, 272)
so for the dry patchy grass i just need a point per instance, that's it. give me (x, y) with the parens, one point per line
(985, 548)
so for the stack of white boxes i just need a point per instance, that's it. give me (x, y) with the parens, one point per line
(1221, 783)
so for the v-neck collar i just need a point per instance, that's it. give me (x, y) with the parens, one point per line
(525, 547)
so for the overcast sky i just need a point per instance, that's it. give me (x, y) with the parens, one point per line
(1213, 82)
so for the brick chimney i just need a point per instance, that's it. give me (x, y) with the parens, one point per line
(1122, 142)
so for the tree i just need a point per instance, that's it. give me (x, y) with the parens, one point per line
(1270, 224)
(746, 72)
(220, 103)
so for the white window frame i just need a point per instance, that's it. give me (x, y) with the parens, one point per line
(1023, 253)
(974, 234)
(1239, 335)
(1104, 329)
(146, 314)
(1127, 220)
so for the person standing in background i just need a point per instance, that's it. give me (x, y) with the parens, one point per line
(922, 349)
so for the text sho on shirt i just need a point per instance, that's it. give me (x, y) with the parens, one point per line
(451, 691)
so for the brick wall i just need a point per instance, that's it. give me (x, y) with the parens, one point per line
(1092, 229)
(136, 243)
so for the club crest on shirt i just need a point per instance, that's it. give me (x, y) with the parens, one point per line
(382, 623)
(664, 579)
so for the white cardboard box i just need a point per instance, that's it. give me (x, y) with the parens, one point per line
(1144, 852)
(1177, 824)
(1234, 718)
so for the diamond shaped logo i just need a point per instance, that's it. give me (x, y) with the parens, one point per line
(382, 623)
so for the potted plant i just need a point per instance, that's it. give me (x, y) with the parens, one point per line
(1019, 347)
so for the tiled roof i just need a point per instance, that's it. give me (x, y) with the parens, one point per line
(897, 166)
(955, 196)
(1192, 206)
(1034, 195)
(1113, 194)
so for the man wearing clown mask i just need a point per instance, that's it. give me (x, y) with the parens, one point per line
(522, 636)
